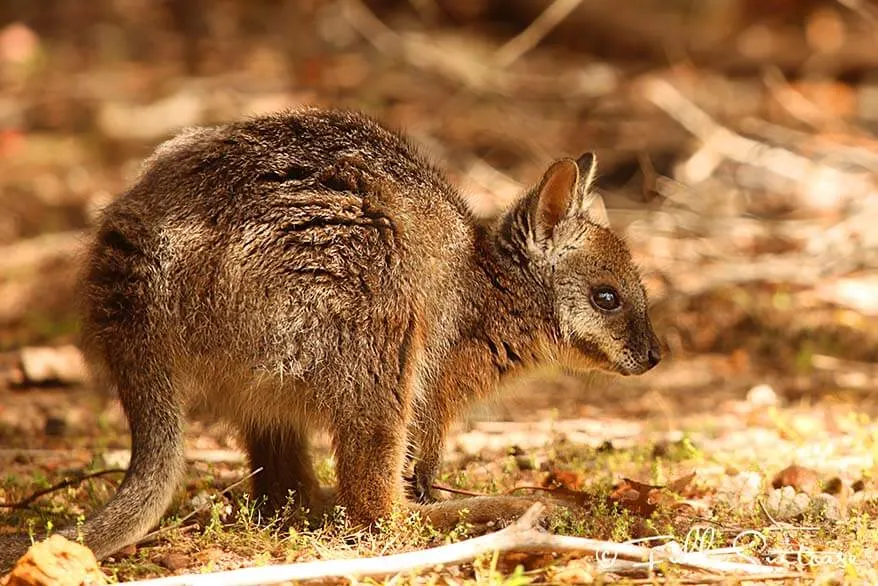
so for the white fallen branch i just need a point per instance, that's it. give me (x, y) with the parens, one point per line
(823, 185)
(521, 536)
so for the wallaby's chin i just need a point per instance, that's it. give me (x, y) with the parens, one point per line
(626, 370)
(584, 356)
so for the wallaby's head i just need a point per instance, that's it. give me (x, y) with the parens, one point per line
(600, 309)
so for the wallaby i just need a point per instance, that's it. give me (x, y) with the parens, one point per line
(311, 270)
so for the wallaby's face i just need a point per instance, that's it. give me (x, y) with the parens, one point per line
(600, 303)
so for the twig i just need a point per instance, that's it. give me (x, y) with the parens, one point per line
(420, 54)
(453, 490)
(208, 456)
(521, 536)
(793, 101)
(527, 39)
(868, 12)
(765, 512)
(59, 486)
(427, 9)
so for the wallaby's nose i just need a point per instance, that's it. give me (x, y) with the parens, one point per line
(654, 356)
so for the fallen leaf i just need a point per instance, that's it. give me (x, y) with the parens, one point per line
(800, 478)
(56, 562)
(643, 499)
(568, 479)
(174, 561)
(679, 485)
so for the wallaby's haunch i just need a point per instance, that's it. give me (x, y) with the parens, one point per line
(310, 270)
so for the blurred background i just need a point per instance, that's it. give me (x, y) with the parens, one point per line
(736, 138)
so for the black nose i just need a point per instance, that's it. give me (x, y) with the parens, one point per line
(654, 356)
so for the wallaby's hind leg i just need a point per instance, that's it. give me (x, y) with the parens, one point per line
(370, 425)
(286, 470)
(156, 423)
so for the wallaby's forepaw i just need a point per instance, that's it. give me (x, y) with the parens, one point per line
(420, 486)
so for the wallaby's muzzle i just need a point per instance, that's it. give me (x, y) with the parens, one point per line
(634, 362)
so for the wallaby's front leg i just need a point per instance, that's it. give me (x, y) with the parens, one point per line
(426, 468)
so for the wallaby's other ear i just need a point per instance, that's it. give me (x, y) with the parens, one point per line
(597, 211)
(588, 171)
(557, 195)
(592, 202)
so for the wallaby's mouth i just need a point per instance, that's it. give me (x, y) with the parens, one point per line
(627, 364)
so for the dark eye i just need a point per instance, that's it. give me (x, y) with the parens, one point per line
(605, 298)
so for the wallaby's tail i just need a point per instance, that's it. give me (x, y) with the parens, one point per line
(121, 339)
(153, 474)
(149, 484)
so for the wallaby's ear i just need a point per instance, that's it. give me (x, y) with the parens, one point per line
(557, 195)
(597, 211)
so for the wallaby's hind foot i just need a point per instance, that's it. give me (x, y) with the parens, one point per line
(481, 514)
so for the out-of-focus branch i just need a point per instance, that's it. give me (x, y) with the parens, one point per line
(530, 37)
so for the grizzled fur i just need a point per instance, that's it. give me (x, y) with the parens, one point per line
(310, 270)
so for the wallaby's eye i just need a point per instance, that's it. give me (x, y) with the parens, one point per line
(605, 298)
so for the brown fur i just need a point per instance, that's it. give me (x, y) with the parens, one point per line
(310, 270)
